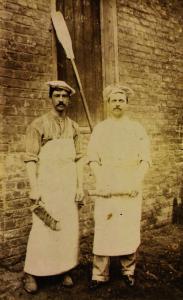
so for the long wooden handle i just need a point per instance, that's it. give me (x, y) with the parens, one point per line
(64, 38)
(82, 95)
(96, 193)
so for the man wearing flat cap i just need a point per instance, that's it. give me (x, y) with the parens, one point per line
(119, 155)
(53, 160)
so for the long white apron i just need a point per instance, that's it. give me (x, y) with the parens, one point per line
(117, 219)
(118, 146)
(53, 252)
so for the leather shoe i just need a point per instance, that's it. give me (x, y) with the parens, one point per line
(94, 284)
(29, 284)
(67, 281)
(129, 280)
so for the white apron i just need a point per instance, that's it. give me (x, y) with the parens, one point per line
(117, 219)
(53, 252)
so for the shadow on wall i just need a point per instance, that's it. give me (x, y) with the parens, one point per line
(177, 215)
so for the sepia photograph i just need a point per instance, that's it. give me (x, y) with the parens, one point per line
(91, 149)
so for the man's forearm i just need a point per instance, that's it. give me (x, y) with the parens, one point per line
(32, 176)
(79, 169)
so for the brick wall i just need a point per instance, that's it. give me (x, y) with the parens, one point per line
(26, 63)
(150, 60)
(149, 34)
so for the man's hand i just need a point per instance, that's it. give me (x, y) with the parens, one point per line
(79, 197)
(58, 226)
(133, 194)
(34, 195)
(104, 192)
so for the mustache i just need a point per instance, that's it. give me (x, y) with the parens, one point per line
(117, 107)
(60, 103)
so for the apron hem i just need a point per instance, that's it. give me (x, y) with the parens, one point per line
(52, 274)
(120, 253)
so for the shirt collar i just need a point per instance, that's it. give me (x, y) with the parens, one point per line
(122, 120)
(56, 117)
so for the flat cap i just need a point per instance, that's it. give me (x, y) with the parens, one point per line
(61, 85)
(116, 89)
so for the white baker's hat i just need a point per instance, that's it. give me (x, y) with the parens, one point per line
(115, 89)
(61, 85)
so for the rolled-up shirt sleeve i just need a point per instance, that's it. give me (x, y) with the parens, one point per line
(93, 151)
(77, 141)
(32, 144)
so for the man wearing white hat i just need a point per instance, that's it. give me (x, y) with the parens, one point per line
(53, 160)
(119, 155)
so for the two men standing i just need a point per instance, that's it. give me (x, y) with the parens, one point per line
(118, 153)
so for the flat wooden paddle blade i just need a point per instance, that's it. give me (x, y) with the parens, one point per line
(62, 33)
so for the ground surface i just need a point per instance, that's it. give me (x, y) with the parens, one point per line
(159, 274)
